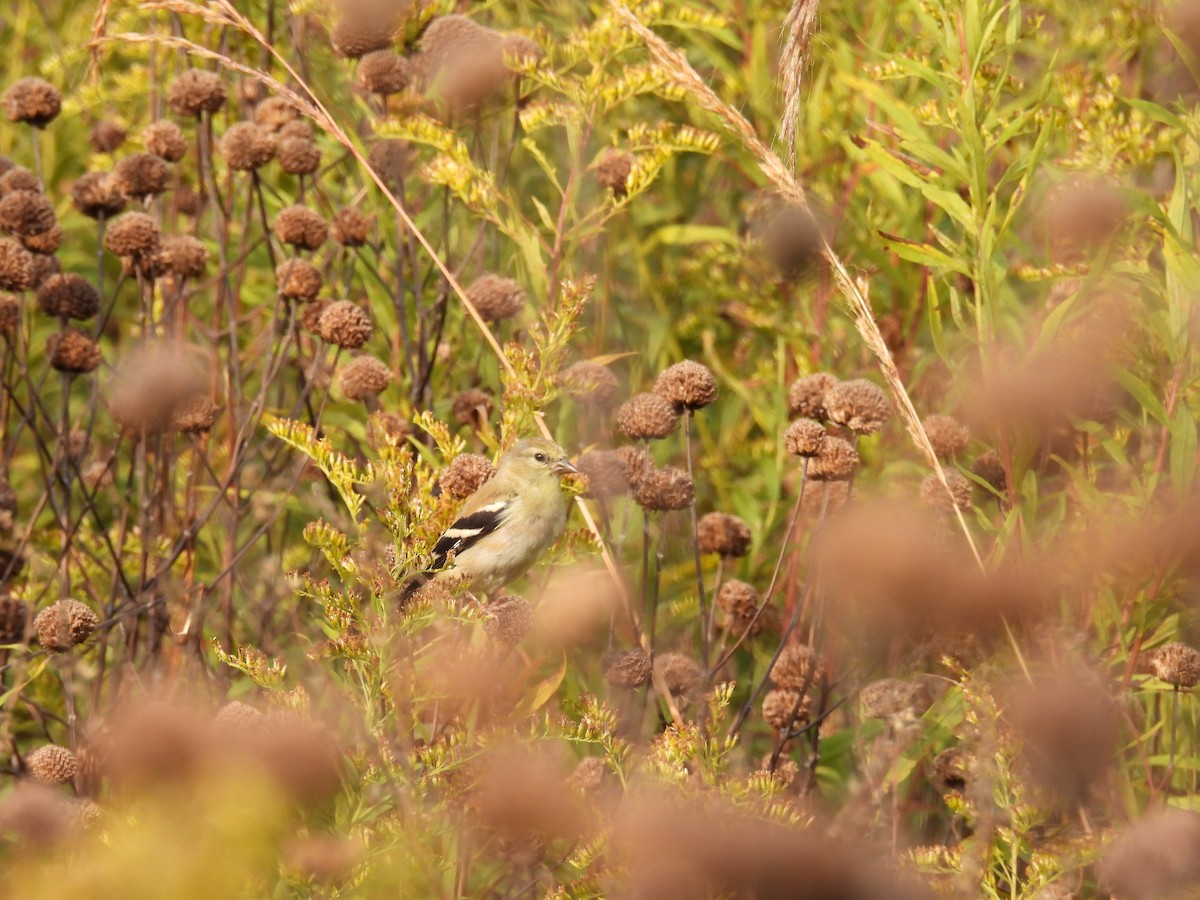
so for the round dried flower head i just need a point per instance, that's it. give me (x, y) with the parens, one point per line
(472, 407)
(837, 460)
(96, 195)
(723, 534)
(681, 674)
(786, 770)
(301, 227)
(299, 156)
(463, 60)
(26, 212)
(1177, 664)
(70, 296)
(391, 161)
(166, 140)
(16, 267)
(948, 436)
(806, 396)
(196, 416)
(647, 416)
(51, 764)
(10, 315)
(804, 437)
(465, 474)
(934, 494)
(859, 405)
(687, 384)
(247, 146)
(363, 28)
(64, 625)
(509, 619)
(18, 178)
(43, 266)
(46, 243)
(665, 489)
(151, 383)
(888, 698)
(591, 773)
(1155, 857)
(236, 717)
(797, 668)
(785, 709)
(589, 383)
(134, 234)
(383, 72)
(310, 316)
(185, 201)
(496, 298)
(989, 467)
(298, 279)
(196, 91)
(627, 668)
(34, 101)
(607, 474)
(950, 769)
(107, 135)
(299, 129)
(141, 175)
(791, 240)
(345, 324)
(351, 228)
(612, 170)
(183, 256)
(14, 615)
(738, 599)
(364, 377)
(275, 112)
(72, 352)
(638, 463)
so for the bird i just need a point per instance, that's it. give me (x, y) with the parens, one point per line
(507, 524)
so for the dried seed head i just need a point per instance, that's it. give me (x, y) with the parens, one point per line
(51, 764)
(687, 384)
(64, 625)
(666, 489)
(10, 315)
(154, 382)
(837, 460)
(196, 91)
(383, 72)
(165, 139)
(299, 156)
(299, 129)
(612, 170)
(185, 201)
(196, 416)
(301, 227)
(591, 773)
(18, 178)
(182, 256)
(310, 316)
(391, 161)
(34, 101)
(738, 599)
(345, 324)
(989, 467)
(364, 377)
(950, 769)
(465, 474)
(16, 267)
(935, 496)
(26, 213)
(791, 240)
(46, 243)
(948, 436)
(681, 674)
(1082, 216)
(606, 472)
(43, 266)
(859, 405)
(806, 396)
(463, 60)
(804, 437)
(107, 135)
(69, 296)
(133, 235)
(779, 705)
(496, 298)
(239, 719)
(627, 668)
(73, 352)
(246, 146)
(647, 416)
(509, 619)
(472, 407)
(96, 194)
(363, 28)
(797, 668)
(14, 618)
(1177, 664)
(589, 383)
(723, 534)
(141, 175)
(298, 279)
(638, 463)
(275, 112)
(787, 770)
(351, 228)
(1154, 858)
(890, 698)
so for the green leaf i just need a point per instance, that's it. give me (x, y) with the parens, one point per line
(922, 254)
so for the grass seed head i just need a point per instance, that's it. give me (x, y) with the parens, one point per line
(34, 101)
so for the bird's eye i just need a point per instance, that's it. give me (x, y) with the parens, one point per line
(540, 457)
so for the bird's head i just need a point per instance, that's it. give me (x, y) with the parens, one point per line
(537, 456)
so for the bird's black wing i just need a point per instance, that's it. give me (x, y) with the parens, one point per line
(468, 530)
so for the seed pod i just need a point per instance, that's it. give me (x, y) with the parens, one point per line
(472, 408)
(46, 243)
(196, 91)
(298, 279)
(346, 325)
(612, 170)
(806, 396)
(183, 256)
(165, 139)
(779, 705)
(589, 383)
(989, 467)
(64, 625)
(301, 227)
(934, 494)
(247, 147)
(509, 619)
(797, 668)
(647, 417)
(383, 72)
(391, 161)
(107, 135)
(275, 112)
(606, 471)
(465, 474)
(16, 267)
(141, 175)
(96, 195)
(496, 298)
(364, 377)
(133, 235)
(687, 384)
(18, 178)
(34, 101)
(196, 416)
(351, 227)
(723, 534)
(1177, 664)
(14, 616)
(26, 213)
(299, 156)
(859, 405)
(681, 674)
(627, 669)
(73, 352)
(70, 296)
(804, 438)
(51, 764)
(664, 490)
(948, 436)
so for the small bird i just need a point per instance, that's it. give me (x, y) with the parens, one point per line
(508, 523)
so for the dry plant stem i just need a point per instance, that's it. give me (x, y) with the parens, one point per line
(676, 66)
(704, 609)
(1170, 773)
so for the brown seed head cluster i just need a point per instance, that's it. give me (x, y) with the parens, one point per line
(42, 266)
(383, 72)
(310, 316)
(465, 474)
(133, 235)
(247, 146)
(681, 675)
(739, 601)
(14, 616)
(72, 352)
(52, 764)
(301, 227)
(791, 240)
(724, 535)
(196, 415)
(797, 668)
(935, 496)
(804, 438)
(26, 213)
(196, 91)
(16, 267)
(589, 383)
(627, 669)
(950, 769)
(239, 719)
(345, 324)
(182, 256)
(364, 377)
(391, 161)
(989, 467)
(496, 298)
(18, 178)
(107, 135)
(44, 244)
(275, 112)
(1177, 664)
(34, 101)
(509, 619)
(64, 625)
(1155, 858)
(647, 416)
(607, 474)
(299, 155)
(141, 175)
(153, 383)
(351, 227)
(69, 296)
(948, 436)
(463, 60)
(10, 315)
(165, 139)
(665, 489)
(687, 385)
(298, 279)
(784, 709)
(612, 170)
(837, 460)
(97, 195)
(806, 396)
(365, 26)
(638, 463)
(859, 405)
(890, 698)
(472, 407)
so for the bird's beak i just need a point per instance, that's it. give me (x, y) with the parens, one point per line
(564, 467)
